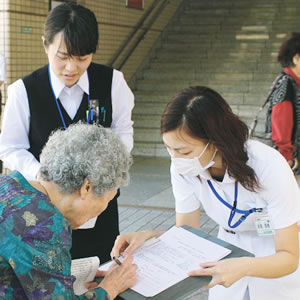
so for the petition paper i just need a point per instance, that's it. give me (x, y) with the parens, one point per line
(165, 261)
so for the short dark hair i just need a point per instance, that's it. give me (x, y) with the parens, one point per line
(203, 114)
(78, 25)
(289, 49)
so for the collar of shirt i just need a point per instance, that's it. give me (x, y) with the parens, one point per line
(294, 76)
(70, 98)
(58, 86)
(227, 178)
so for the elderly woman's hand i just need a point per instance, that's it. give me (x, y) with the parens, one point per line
(117, 279)
(127, 243)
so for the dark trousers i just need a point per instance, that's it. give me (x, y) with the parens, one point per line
(98, 241)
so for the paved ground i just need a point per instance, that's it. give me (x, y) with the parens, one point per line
(148, 203)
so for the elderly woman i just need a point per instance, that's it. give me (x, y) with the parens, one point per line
(82, 168)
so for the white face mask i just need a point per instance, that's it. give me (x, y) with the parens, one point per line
(191, 166)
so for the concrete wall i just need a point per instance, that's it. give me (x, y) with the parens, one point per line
(21, 28)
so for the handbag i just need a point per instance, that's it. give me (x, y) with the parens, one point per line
(264, 137)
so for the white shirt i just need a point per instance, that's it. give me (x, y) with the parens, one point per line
(14, 140)
(280, 196)
(2, 68)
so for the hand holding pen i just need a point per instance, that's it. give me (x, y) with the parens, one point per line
(117, 278)
(117, 260)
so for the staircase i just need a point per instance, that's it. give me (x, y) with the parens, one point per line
(228, 45)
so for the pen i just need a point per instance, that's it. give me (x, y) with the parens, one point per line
(117, 260)
(103, 112)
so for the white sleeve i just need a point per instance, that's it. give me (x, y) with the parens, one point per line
(14, 140)
(122, 105)
(281, 191)
(186, 200)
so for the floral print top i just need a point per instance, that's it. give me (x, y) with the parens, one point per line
(35, 239)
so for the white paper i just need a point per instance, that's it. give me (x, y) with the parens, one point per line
(84, 269)
(165, 261)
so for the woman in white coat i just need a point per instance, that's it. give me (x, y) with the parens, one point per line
(243, 185)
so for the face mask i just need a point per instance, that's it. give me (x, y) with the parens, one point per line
(191, 166)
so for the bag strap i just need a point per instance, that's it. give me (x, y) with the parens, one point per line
(254, 122)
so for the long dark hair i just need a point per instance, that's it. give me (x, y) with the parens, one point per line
(204, 114)
(78, 25)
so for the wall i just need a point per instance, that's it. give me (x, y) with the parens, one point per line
(21, 28)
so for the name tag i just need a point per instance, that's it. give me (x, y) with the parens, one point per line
(264, 225)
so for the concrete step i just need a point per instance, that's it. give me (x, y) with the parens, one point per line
(207, 66)
(226, 77)
(230, 46)
(191, 28)
(204, 67)
(238, 11)
(178, 85)
(149, 108)
(205, 60)
(157, 148)
(150, 149)
(151, 135)
(233, 52)
(153, 96)
(146, 121)
(210, 58)
(239, 4)
(152, 121)
(220, 44)
(256, 97)
(235, 18)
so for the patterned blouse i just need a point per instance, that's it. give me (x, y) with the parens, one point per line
(35, 239)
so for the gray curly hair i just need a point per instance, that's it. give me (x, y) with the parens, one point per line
(85, 152)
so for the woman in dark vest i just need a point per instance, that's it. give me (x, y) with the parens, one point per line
(69, 89)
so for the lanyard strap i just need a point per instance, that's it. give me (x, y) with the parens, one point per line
(58, 106)
(233, 209)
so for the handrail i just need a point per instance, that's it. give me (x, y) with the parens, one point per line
(136, 29)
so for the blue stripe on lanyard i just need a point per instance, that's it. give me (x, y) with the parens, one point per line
(58, 106)
(233, 208)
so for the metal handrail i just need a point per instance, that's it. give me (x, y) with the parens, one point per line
(141, 37)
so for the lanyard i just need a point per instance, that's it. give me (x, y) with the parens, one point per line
(233, 209)
(58, 106)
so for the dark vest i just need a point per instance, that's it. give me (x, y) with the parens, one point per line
(44, 114)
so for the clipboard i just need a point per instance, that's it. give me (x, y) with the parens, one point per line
(189, 285)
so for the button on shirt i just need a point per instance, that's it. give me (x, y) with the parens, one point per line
(14, 141)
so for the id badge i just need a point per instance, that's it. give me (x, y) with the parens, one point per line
(263, 223)
(94, 111)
